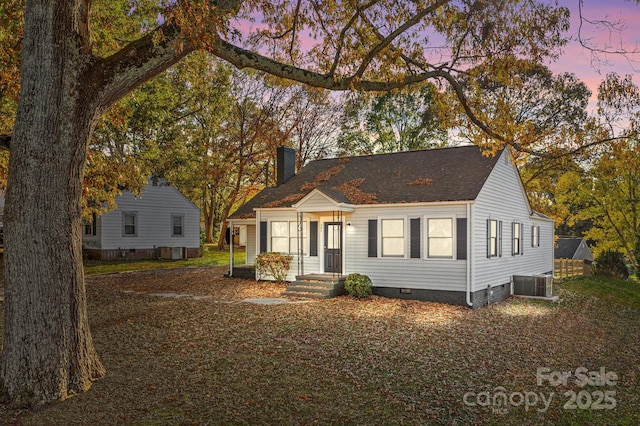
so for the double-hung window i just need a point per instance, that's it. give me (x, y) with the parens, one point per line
(440, 238)
(90, 225)
(392, 231)
(535, 236)
(177, 225)
(280, 237)
(516, 247)
(129, 224)
(294, 234)
(284, 236)
(494, 236)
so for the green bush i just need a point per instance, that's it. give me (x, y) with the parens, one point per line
(358, 285)
(611, 264)
(275, 264)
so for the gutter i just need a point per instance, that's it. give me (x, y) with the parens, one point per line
(469, 253)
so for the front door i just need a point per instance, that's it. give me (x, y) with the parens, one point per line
(333, 247)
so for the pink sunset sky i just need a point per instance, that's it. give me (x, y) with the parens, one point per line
(577, 60)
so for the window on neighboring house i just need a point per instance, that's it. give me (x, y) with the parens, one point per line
(440, 238)
(494, 238)
(517, 238)
(130, 224)
(392, 231)
(535, 236)
(177, 225)
(90, 226)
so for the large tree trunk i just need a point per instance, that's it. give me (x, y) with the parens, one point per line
(48, 352)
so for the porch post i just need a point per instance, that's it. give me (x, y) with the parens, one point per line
(300, 243)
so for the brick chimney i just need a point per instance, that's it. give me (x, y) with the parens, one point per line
(286, 164)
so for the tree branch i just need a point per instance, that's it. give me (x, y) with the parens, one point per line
(400, 30)
(138, 62)
(5, 142)
(144, 58)
(242, 58)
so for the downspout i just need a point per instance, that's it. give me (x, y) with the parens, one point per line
(470, 271)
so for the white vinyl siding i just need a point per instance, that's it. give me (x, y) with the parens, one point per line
(440, 238)
(251, 245)
(392, 237)
(153, 227)
(402, 272)
(502, 199)
(287, 220)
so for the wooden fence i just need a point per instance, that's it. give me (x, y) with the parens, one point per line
(569, 268)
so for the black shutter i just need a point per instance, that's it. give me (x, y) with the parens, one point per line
(94, 224)
(461, 238)
(415, 238)
(521, 239)
(373, 238)
(500, 238)
(513, 238)
(489, 237)
(313, 238)
(263, 237)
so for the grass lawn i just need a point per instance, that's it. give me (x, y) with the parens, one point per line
(219, 360)
(210, 257)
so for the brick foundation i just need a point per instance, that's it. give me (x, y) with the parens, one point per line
(132, 254)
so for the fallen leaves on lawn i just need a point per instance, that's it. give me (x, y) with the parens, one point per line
(336, 361)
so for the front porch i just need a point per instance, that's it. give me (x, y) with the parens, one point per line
(317, 286)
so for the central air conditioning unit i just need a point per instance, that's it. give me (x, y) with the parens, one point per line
(533, 285)
(171, 253)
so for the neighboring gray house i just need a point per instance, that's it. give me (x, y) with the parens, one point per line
(160, 222)
(448, 225)
(573, 248)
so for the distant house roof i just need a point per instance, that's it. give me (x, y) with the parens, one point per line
(572, 248)
(447, 174)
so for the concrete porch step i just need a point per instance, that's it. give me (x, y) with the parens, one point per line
(305, 295)
(316, 287)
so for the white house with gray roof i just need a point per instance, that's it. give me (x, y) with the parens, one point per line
(158, 222)
(448, 225)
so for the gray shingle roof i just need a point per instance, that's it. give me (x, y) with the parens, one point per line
(446, 174)
(569, 248)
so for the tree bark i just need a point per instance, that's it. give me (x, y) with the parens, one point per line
(48, 352)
